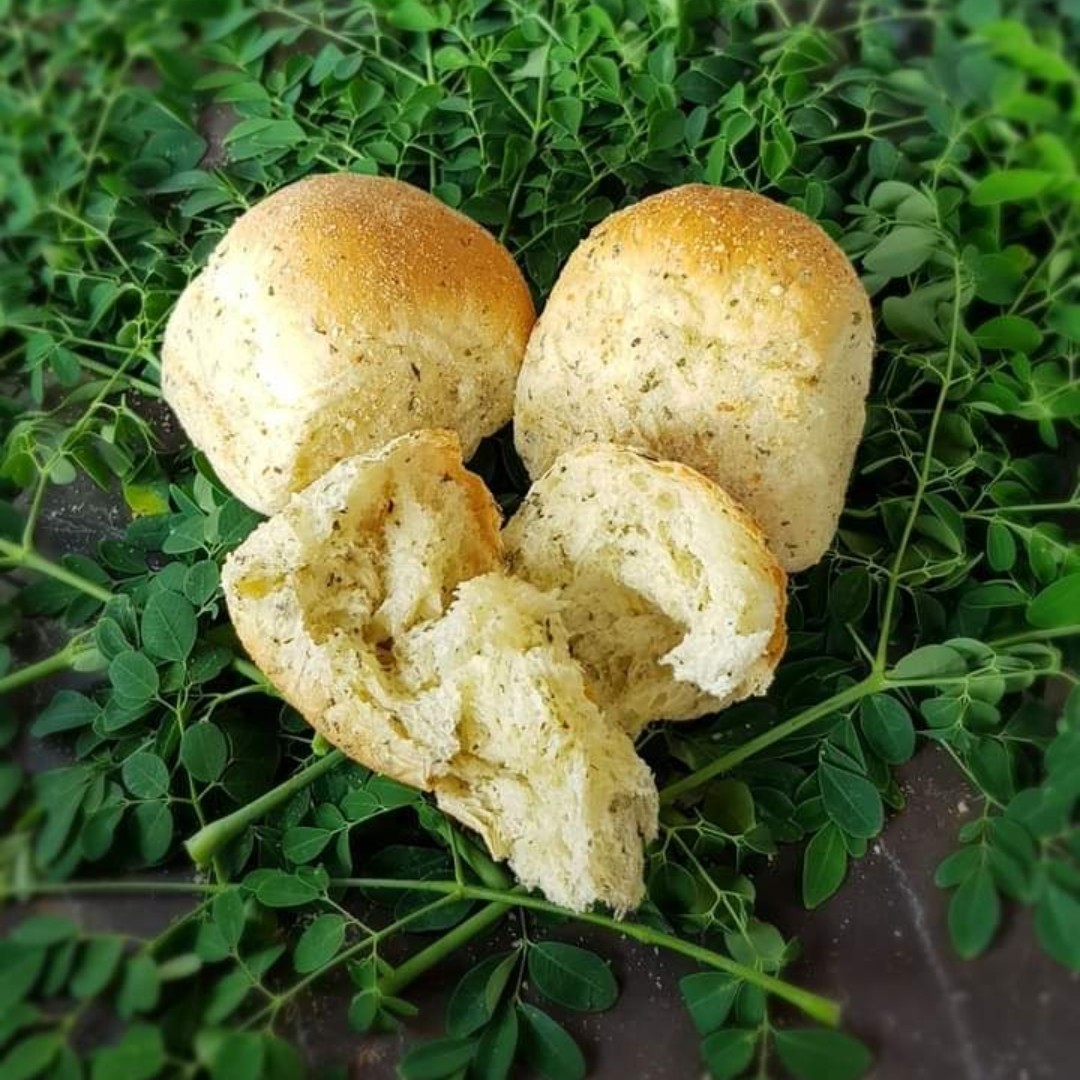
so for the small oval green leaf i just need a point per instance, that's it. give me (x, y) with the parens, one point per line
(319, 943)
(819, 1054)
(437, 1059)
(204, 752)
(888, 729)
(547, 1046)
(974, 913)
(573, 977)
(145, 775)
(824, 865)
(728, 1053)
(851, 801)
(169, 626)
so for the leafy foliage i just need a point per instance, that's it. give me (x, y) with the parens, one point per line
(937, 143)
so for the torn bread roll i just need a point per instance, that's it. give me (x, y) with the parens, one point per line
(720, 329)
(336, 314)
(673, 601)
(539, 770)
(377, 604)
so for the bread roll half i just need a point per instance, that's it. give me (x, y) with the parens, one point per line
(338, 313)
(673, 601)
(539, 770)
(376, 602)
(716, 328)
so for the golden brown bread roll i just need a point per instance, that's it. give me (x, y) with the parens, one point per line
(338, 313)
(716, 328)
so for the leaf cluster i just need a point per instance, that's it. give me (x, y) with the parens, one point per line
(937, 143)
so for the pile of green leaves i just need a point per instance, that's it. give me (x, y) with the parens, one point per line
(936, 142)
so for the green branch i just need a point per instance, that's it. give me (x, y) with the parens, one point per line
(357, 949)
(870, 685)
(251, 672)
(1050, 634)
(213, 837)
(149, 389)
(891, 589)
(1070, 507)
(62, 660)
(499, 901)
(31, 560)
(114, 888)
(407, 972)
(813, 1005)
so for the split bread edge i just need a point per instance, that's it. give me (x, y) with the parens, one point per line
(674, 604)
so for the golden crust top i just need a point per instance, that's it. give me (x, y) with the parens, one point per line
(350, 244)
(717, 233)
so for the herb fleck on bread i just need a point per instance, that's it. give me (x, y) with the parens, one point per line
(338, 313)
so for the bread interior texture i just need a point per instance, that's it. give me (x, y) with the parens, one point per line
(377, 602)
(673, 603)
(539, 771)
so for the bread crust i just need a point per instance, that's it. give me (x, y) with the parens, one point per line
(269, 614)
(717, 328)
(336, 314)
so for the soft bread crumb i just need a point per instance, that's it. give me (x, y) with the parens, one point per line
(548, 780)
(673, 601)
(377, 603)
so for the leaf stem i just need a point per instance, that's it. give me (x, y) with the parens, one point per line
(881, 656)
(499, 901)
(61, 660)
(1069, 507)
(407, 972)
(34, 510)
(250, 671)
(869, 132)
(1048, 634)
(117, 888)
(871, 684)
(31, 560)
(133, 381)
(364, 945)
(155, 944)
(211, 838)
(354, 43)
(813, 1005)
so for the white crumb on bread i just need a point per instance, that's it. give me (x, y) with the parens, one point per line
(541, 773)
(674, 603)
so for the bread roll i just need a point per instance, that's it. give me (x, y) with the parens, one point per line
(377, 604)
(716, 328)
(338, 313)
(673, 602)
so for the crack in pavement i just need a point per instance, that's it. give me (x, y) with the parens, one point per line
(969, 1056)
